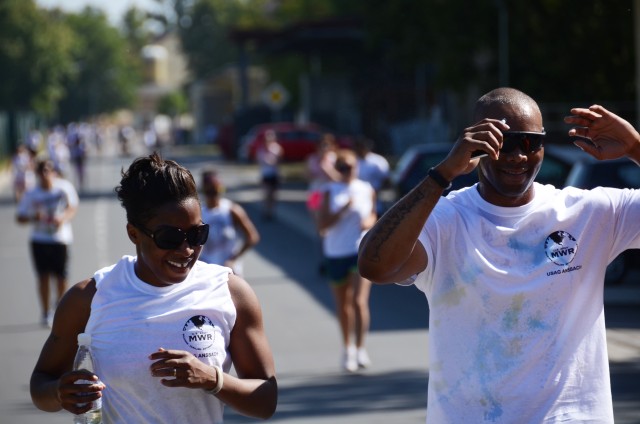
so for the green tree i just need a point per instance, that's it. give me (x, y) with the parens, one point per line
(34, 57)
(135, 30)
(106, 72)
(204, 25)
(573, 50)
(204, 37)
(559, 50)
(173, 104)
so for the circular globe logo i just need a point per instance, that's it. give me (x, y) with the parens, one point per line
(199, 332)
(560, 247)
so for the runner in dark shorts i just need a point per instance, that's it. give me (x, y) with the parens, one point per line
(338, 269)
(50, 258)
(273, 181)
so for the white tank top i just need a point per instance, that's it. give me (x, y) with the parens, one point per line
(221, 244)
(131, 319)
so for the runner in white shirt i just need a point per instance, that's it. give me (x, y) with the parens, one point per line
(49, 206)
(513, 270)
(347, 211)
(269, 156)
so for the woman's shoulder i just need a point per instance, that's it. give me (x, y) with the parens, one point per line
(242, 294)
(126, 260)
(74, 308)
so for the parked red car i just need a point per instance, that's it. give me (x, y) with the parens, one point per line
(298, 141)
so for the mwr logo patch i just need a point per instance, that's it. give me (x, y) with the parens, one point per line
(561, 248)
(199, 332)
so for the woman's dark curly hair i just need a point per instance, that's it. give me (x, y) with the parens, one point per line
(151, 182)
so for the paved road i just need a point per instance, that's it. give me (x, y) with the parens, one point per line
(297, 307)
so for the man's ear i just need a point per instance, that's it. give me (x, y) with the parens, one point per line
(133, 233)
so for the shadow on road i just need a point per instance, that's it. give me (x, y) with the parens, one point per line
(346, 395)
(299, 257)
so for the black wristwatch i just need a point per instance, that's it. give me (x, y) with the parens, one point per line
(438, 178)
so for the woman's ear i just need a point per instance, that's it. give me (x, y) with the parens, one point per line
(133, 233)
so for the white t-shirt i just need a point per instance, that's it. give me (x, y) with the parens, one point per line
(516, 322)
(343, 238)
(50, 203)
(131, 319)
(268, 157)
(374, 169)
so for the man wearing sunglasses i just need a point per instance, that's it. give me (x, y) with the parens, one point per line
(513, 270)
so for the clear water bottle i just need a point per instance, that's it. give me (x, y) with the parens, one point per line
(84, 361)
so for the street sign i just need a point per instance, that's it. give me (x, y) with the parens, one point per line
(275, 96)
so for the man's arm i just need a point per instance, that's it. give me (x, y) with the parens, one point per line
(390, 252)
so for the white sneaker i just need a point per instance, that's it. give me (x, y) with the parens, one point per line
(362, 358)
(47, 320)
(349, 359)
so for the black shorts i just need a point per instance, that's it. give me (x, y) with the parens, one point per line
(338, 269)
(272, 181)
(50, 258)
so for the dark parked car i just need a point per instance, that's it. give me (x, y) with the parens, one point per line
(562, 166)
(416, 161)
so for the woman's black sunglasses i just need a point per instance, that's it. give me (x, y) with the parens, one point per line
(527, 141)
(170, 238)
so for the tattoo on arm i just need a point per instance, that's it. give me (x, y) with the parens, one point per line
(392, 221)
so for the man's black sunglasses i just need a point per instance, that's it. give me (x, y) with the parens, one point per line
(527, 141)
(170, 238)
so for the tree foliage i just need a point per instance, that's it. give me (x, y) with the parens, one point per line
(34, 57)
(135, 30)
(106, 70)
(173, 104)
(573, 50)
(203, 37)
(61, 65)
(559, 50)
